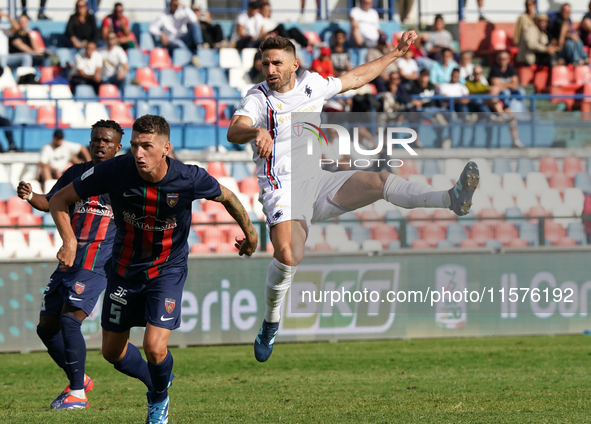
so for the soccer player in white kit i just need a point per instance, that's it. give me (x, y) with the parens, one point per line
(320, 194)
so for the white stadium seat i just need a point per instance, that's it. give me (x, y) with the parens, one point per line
(441, 182)
(348, 246)
(95, 111)
(229, 58)
(372, 246)
(335, 235)
(453, 168)
(550, 199)
(248, 55)
(536, 182)
(513, 183)
(574, 199)
(502, 200)
(489, 184)
(525, 200)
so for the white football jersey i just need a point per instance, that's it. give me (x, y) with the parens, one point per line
(275, 112)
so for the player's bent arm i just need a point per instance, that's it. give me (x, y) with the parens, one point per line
(249, 244)
(241, 130)
(38, 201)
(58, 206)
(363, 74)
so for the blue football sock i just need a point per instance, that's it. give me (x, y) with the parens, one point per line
(133, 365)
(160, 377)
(54, 342)
(74, 349)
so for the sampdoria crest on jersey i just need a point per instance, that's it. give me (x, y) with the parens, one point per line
(308, 91)
(169, 304)
(277, 215)
(87, 173)
(79, 287)
(172, 199)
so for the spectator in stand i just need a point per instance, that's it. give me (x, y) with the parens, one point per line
(272, 29)
(534, 47)
(115, 63)
(566, 40)
(323, 64)
(118, 24)
(248, 28)
(21, 46)
(503, 76)
(41, 16)
(455, 88)
(81, 27)
(525, 20)
(466, 66)
(408, 67)
(438, 39)
(256, 72)
(57, 155)
(213, 36)
(365, 25)
(87, 69)
(339, 54)
(441, 71)
(177, 28)
(585, 27)
(422, 91)
(382, 48)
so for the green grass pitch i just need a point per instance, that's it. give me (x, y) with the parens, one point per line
(472, 380)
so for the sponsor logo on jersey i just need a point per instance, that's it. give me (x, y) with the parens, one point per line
(87, 173)
(172, 199)
(279, 106)
(169, 304)
(79, 287)
(118, 295)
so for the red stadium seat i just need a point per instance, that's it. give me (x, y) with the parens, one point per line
(225, 248)
(46, 115)
(111, 92)
(146, 77)
(541, 78)
(538, 211)
(216, 169)
(582, 74)
(313, 37)
(560, 181)
(121, 114)
(396, 37)
(432, 233)
(572, 166)
(47, 74)
(29, 220)
(566, 241)
(498, 39)
(249, 185)
(553, 231)
(526, 74)
(447, 217)
(408, 168)
(35, 36)
(160, 59)
(370, 216)
(2, 207)
(517, 242)
(322, 247)
(481, 232)
(505, 232)
(418, 214)
(209, 105)
(13, 97)
(212, 207)
(420, 244)
(562, 82)
(548, 166)
(6, 221)
(491, 213)
(199, 217)
(16, 206)
(384, 233)
(468, 244)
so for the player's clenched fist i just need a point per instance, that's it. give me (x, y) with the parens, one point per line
(67, 254)
(264, 142)
(408, 38)
(24, 190)
(246, 246)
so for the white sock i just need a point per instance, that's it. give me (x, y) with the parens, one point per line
(401, 192)
(279, 278)
(78, 393)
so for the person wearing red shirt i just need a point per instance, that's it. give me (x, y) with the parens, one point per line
(119, 24)
(323, 64)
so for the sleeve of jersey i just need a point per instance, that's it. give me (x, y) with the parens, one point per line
(206, 187)
(95, 181)
(63, 181)
(252, 107)
(332, 87)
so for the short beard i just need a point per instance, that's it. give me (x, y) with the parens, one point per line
(280, 84)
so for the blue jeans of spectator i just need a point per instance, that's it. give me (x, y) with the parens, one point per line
(14, 60)
(115, 81)
(478, 106)
(572, 51)
(515, 104)
(461, 108)
(189, 40)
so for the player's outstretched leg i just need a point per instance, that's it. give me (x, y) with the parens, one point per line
(158, 411)
(158, 400)
(461, 193)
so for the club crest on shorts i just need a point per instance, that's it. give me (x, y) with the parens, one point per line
(169, 304)
(172, 199)
(79, 287)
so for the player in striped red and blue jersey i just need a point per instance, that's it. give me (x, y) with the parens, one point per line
(151, 196)
(72, 293)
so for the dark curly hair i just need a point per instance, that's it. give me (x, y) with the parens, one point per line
(152, 124)
(103, 123)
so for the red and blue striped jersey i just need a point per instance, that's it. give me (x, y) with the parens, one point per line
(92, 222)
(153, 219)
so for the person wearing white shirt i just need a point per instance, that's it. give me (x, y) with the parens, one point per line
(249, 27)
(88, 65)
(177, 28)
(56, 156)
(466, 66)
(115, 61)
(455, 88)
(407, 66)
(365, 25)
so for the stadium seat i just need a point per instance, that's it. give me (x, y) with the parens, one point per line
(503, 200)
(192, 114)
(432, 234)
(146, 77)
(249, 185)
(47, 74)
(563, 211)
(536, 183)
(514, 213)
(229, 58)
(419, 244)
(15, 207)
(348, 246)
(29, 220)
(553, 231)
(583, 181)
(85, 93)
(181, 58)
(216, 169)
(181, 95)
(525, 166)
(408, 168)
(490, 185)
(208, 58)
(158, 96)
(493, 244)
(505, 232)
(12, 96)
(548, 166)
(322, 247)
(576, 231)
(565, 241)
(430, 168)
(38, 95)
(61, 92)
(36, 36)
(513, 183)
(248, 55)
(445, 217)
(336, 234)
(538, 211)
(370, 217)
(529, 232)
(169, 78)
(550, 199)
(159, 59)
(65, 56)
(192, 77)
(24, 115)
(13, 241)
(518, 242)
(216, 77)
(136, 59)
(412, 234)
(453, 168)
(418, 214)
(169, 112)
(95, 111)
(372, 246)
(201, 91)
(498, 40)
(481, 232)
(562, 82)
(501, 166)
(134, 92)
(313, 37)
(146, 41)
(46, 115)
(574, 199)
(480, 201)
(417, 178)
(384, 233)
(108, 94)
(441, 182)
(72, 115)
(120, 113)
(560, 181)
(238, 78)
(572, 166)
(455, 234)
(143, 108)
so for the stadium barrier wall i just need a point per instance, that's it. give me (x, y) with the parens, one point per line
(223, 298)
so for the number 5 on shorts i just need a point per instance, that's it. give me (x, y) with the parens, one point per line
(115, 314)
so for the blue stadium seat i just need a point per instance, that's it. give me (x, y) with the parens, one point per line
(134, 92)
(65, 56)
(240, 171)
(467, 220)
(181, 57)
(359, 234)
(501, 166)
(589, 166)
(583, 182)
(394, 245)
(146, 41)
(216, 77)
(24, 115)
(576, 231)
(362, 54)
(169, 112)
(181, 95)
(193, 237)
(412, 234)
(143, 108)
(169, 78)
(430, 168)
(455, 234)
(208, 58)
(514, 213)
(7, 191)
(444, 244)
(136, 59)
(85, 92)
(3, 111)
(192, 77)
(529, 233)
(394, 214)
(493, 243)
(193, 114)
(525, 166)
(157, 96)
(227, 91)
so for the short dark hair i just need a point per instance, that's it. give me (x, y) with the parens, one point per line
(152, 124)
(454, 70)
(437, 17)
(445, 49)
(58, 134)
(108, 123)
(253, 5)
(424, 72)
(339, 31)
(117, 5)
(278, 43)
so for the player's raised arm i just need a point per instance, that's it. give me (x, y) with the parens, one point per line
(58, 206)
(241, 131)
(248, 244)
(363, 74)
(38, 201)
